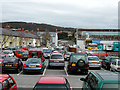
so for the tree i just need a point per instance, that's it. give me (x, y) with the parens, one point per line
(46, 37)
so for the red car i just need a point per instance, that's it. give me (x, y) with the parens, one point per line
(1, 60)
(7, 82)
(19, 53)
(52, 83)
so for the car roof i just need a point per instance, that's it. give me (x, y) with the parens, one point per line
(52, 80)
(56, 54)
(3, 77)
(107, 75)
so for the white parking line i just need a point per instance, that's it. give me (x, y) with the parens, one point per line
(44, 72)
(19, 73)
(66, 71)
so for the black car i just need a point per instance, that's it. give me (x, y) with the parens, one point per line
(78, 62)
(12, 64)
(107, 61)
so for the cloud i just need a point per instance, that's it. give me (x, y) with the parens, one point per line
(67, 13)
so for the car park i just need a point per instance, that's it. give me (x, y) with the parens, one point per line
(33, 65)
(52, 83)
(101, 81)
(12, 64)
(107, 61)
(7, 82)
(56, 59)
(78, 63)
(94, 62)
(115, 65)
(9, 53)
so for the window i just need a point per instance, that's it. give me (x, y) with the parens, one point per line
(6, 85)
(56, 57)
(11, 81)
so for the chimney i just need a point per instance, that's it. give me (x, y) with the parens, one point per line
(37, 29)
(7, 27)
(32, 32)
(22, 29)
(26, 31)
(19, 29)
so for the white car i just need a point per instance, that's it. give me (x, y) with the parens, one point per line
(9, 53)
(115, 65)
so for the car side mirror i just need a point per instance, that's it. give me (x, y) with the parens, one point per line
(83, 79)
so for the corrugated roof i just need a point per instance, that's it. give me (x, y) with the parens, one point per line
(17, 33)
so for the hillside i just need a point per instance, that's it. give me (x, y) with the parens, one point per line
(34, 26)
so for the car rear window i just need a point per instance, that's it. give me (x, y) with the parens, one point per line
(20, 52)
(111, 85)
(33, 61)
(10, 60)
(47, 51)
(78, 57)
(50, 87)
(93, 58)
(56, 57)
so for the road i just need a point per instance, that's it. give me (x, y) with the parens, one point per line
(29, 80)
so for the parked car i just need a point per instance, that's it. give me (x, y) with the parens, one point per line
(101, 80)
(67, 55)
(107, 61)
(2, 56)
(25, 55)
(78, 63)
(9, 53)
(12, 64)
(47, 52)
(19, 53)
(52, 83)
(56, 59)
(94, 62)
(7, 82)
(33, 65)
(115, 65)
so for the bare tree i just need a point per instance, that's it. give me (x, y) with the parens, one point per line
(46, 37)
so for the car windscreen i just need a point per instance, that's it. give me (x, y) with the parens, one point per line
(5, 52)
(56, 57)
(9, 60)
(111, 86)
(50, 87)
(78, 57)
(114, 59)
(47, 51)
(33, 61)
(20, 52)
(93, 58)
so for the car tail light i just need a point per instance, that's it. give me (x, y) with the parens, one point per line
(24, 65)
(106, 54)
(88, 63)
(15, 65)
(99, 62)
(69, 63)
(61, 61)
(51, 60)
(2, 64)
(40, 65)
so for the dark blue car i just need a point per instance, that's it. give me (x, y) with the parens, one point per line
(33, 65)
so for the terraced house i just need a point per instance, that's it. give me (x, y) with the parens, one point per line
(13, 38)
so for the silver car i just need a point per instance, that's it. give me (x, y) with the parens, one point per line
(94, 62)
(56, 59)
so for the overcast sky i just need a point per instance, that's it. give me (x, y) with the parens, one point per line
(66, 13)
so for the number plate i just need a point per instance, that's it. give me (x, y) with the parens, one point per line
(25, 55)
(8, 65)
(73, 64)
(94, 62)
(56, 61)
(32, 65)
